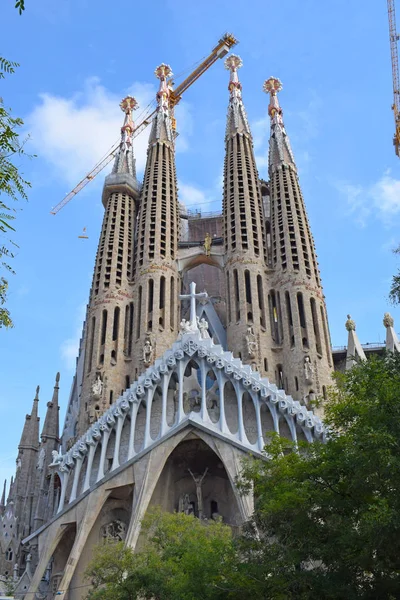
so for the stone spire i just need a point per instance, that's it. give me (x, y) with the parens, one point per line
(243, 233)
(10, 496)
(30, 433)
(354, 349)
(156, 274)
(392, 341)
(162, 128)
(125, 160)
(50, 429)
(3, 498)
(299, 326)
(107, 344)
(237, 119)
(279, 146)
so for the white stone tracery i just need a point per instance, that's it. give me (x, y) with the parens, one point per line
(209, 357)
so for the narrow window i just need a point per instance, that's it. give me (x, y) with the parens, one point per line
(89, 367)
(228, 295)
(150, 305)
(302, 318)
(139, 311)
(265, 365)
(296, 384)
(247, 286)
(289, 319)
(317, 333)
(274, 317)
(172, 313)
(279, 376)
(127, 382)
(162, 302)
(111, 397)
(236, 286)
(130, 334)
(324, 392)
(116, 323)
(103, 328)
(261, 303)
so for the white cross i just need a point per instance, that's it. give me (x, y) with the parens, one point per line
(193, 296)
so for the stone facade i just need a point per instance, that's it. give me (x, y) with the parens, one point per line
(171, 389)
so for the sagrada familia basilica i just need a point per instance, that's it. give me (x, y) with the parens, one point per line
(203, 333)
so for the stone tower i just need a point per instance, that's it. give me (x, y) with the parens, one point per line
(109, 323)
(298, 321)
(23, 490)
(50, 442)
(246, 323)
(157, 282)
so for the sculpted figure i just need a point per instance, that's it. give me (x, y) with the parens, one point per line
(97, 387)
(185, 326)
(251, 341)
(199, 482)
(203, 328)
(148, 352)
(207, 244)
(57, 458)
(40, 462)
(308, 370)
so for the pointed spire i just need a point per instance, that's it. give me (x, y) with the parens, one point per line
(125, 160)
(30, 433)
(51, 424)
(354, 349)
(280, 151)
(392, 341)
(237, 119)
(11, 490)
(162, 129)
(3, 498)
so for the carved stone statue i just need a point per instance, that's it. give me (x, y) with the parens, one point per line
(207, 244)
(185, 327)
(148, 352)
(114, 531)
(97, 387)
(57, 458)
(251, 341)
(199, 482)
(350, 324)
(308, 370)
(41, 458)
(203, 328)
(388, 320)
(184, 504)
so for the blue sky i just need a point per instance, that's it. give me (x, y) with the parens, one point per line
(80, 57)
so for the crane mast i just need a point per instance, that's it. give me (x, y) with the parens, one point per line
(393, 37)
(221, 49)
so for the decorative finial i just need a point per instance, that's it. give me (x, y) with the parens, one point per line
(37, 392)
(388, 320)
(127, 105)
(57, 378)
(162, 72)
(350, 324)
(272, 86)
(233, 63)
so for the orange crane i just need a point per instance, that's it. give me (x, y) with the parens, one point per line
(227, 41)
(394, 37)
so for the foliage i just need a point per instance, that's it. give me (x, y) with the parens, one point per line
(394, 293)
(12, 186)
(182, 558)
(328, 517)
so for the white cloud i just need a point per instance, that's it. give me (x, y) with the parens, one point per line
(381, 199)
(190, 195)
(70, 347)
(74, 133)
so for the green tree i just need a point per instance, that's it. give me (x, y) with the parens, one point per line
(12, 187)
(394, 293)
(182, 558)
(327, 518)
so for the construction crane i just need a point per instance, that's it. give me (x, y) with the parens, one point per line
(221, 49)
(394, 37)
